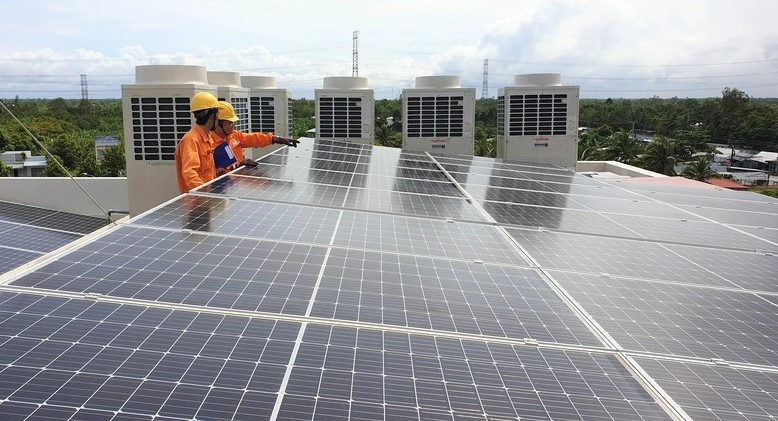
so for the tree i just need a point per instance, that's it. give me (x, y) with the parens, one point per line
(699, 170)
(54, 170)
(659, 156)
(5, 170)
(114, 164)
(622, 147)
(386, 136)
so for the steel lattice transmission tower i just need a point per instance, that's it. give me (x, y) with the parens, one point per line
(355, 57)
(485, 87)
(84, 88)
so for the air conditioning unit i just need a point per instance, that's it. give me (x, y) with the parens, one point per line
(537, 120)
(345, 110)
(270, 110)
(228, 88)
(156, 116)
(439, 116)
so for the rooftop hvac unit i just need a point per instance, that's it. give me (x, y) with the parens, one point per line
(345, 110)
(270, 109)
(439, 116)
(229, 89)
(537, 120)
(156, 116)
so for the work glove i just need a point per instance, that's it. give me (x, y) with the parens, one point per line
(286, 141)
(249, 163)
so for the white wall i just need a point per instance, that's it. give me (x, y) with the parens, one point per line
(63, 194)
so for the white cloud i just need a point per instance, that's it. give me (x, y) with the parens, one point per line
(608, 47)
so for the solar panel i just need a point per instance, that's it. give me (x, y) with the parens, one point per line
(345, 281)
(28, 232)
(677, 319)
(717, 392)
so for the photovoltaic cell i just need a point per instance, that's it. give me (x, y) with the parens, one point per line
(175, 267)
(11, 258)
(425, 237)
(277, 190)
(678, 319)
(445, 295)
(716, 392)
(691, 232)
(558, 219)
(245, 218)
(32, 238)
(140, 361)
(735, 216)
(682, 197)
(746, 270)
(633, 206)
(412, 204)
(613, 256)
(395, 376)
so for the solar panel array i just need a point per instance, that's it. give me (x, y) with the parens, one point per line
(345, 281)
(29, 232)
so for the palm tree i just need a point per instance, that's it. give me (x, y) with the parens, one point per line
(386, 136)
(699, 170)
(659, 157)
(622, 147)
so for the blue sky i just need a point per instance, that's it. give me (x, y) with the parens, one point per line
(610, 48)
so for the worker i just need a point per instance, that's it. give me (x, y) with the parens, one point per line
(225, 131)
(194, 153)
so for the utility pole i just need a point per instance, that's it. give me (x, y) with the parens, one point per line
(485, 88)
(355, 57)
(84, 88)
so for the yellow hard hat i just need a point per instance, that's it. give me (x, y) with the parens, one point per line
(203, 101)
(226, 112)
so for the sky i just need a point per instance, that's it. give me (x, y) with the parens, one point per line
(609, 48)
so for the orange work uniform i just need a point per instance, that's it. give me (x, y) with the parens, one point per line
(194, 159)
(239, 140)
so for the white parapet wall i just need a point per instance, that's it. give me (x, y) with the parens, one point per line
(615, 168)
(63, 194)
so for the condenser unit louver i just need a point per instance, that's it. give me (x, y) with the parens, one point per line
(439, 116)
(340, 117)
(537, 121)
(345, 110)
(435, 116)
(157, 125)
(270, 108)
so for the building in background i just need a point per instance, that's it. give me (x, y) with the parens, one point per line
(102, 143)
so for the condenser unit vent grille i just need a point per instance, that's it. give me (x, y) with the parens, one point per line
(501, 115)
(435, 116)
(242, 111)
(538, 114)
(289, 117)
(340, 117)
(263, 116)
(157, 126)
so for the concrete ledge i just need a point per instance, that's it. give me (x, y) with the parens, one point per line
(615, 168)
(62, 194)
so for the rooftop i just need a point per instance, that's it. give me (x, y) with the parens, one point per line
(343, 281)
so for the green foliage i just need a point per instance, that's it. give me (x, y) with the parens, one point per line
(114, 164)
(772, 192)
(660, 156)
(621, 147)
(699, 170)
(385, 135)
(54, 170)
(66, 127)
(5, 170)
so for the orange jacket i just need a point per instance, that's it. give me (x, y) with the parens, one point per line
(239, 140)
(194, 159)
